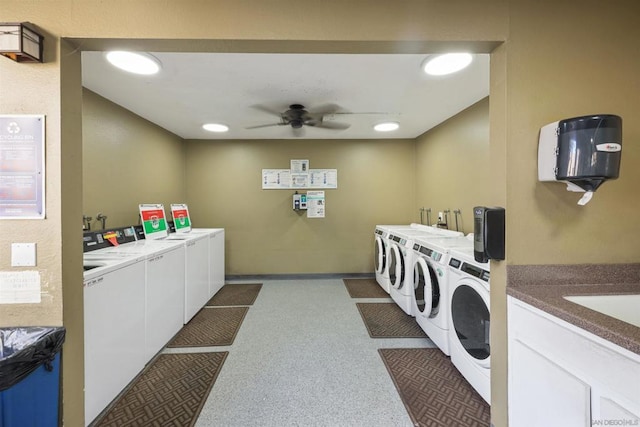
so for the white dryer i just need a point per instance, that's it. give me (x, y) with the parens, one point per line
(381, 251)
(470, 319)
(430, 294)
(401, 259)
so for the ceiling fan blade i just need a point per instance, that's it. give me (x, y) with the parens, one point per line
(325, 109)
(333, 125)
(267, 110)
(266, 126)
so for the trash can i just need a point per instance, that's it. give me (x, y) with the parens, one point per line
(30, 376)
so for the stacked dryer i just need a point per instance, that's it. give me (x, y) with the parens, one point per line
(430, 291)
(401, 261)
(469, 318)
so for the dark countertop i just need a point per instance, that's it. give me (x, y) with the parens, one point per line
(541, 290)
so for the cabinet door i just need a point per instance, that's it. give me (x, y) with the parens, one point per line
(543, 394)
(612, 413)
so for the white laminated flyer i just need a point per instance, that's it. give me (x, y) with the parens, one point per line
(315, 204)
(299, 180)
(20, 287)
(275, 179)
(299, 166)
(323, 178)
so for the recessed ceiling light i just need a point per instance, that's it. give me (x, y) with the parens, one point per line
(215, 127)
(134, 62)
(386, 127)
(446, 64)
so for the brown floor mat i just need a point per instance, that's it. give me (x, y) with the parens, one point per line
(387, 320)
(236, 294)
(432, 389)
(211, 327)
(364, 288)
(169, 392)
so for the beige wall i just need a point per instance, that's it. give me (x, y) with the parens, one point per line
(560, 59)
(452, 166)
(560, 72)
(126, 161)
(263, 233)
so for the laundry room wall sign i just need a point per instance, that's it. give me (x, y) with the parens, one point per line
(299, 177)
(22, 167)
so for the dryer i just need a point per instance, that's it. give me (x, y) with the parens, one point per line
(381, 251)
(469, 316)
(429, 300)
(400, 262)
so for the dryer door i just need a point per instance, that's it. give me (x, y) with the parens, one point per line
(396, 266)
(471, 321)
(426, 289)
(380, 257)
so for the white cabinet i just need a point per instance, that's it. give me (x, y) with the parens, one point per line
(113, 333)
(560, 374)
(216, 261)
(164, 311)
(196, 276)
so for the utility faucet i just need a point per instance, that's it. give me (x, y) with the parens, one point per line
(102, 218)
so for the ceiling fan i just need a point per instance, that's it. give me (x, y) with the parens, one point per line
(297, 117)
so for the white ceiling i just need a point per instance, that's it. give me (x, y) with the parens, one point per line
(238, 89)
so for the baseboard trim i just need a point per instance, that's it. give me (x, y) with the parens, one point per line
(233, 277)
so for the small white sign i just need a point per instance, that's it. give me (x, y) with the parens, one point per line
(299, 166)
(20, 287)
(315, 204)
(276, 179)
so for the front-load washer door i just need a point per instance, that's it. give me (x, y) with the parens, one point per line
(396, 266)
(426, 289)
(380, 257)
(471, 321)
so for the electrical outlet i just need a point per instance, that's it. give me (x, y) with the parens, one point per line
(440, 216)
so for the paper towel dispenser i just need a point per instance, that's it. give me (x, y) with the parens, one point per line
(582, 151)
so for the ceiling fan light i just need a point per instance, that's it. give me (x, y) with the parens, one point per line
(386, 127)
(215, 127)
(134, 62)
(448, 63)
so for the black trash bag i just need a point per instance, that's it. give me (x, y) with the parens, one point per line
(23, 350)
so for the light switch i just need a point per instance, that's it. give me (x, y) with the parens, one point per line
(23, 254)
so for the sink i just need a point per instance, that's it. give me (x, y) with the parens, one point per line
(621, 307)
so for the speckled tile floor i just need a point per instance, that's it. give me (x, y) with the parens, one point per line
(303, 357)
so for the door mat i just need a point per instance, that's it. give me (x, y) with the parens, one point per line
(364, 288)
(169, 392)
(210, 327)
(236, 294)
(432, 390)
(387, 320)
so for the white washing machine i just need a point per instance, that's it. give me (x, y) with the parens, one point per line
(400, 262)
(470, 319)
(114, 336)
(430, 294)
(381, 251)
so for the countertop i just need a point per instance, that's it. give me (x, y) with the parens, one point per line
(545, 290)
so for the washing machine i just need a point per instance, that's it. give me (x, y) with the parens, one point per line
(469, 319)
(429, 300)
(400, 262)
(381, 251)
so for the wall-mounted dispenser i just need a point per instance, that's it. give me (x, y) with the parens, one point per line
(488, 233)
(299, 201)
(582, 151)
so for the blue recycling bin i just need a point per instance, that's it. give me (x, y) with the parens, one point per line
(30, 376)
